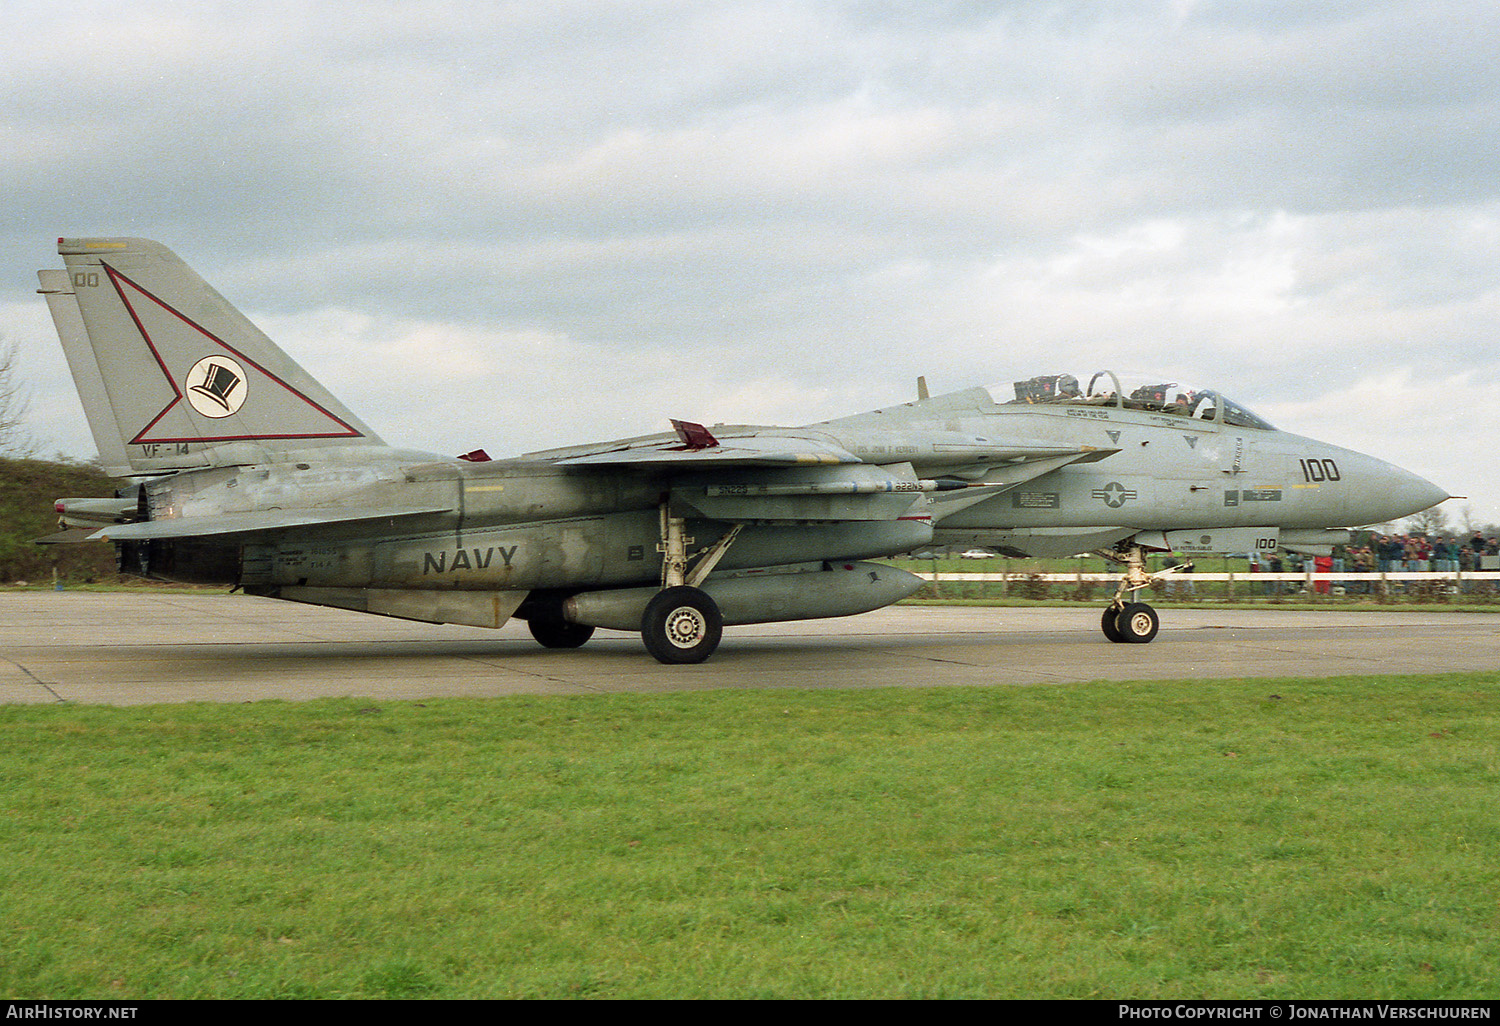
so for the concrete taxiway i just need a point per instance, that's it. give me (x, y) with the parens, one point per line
(141, 647)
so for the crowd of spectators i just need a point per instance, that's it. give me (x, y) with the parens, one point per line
(1393, 553)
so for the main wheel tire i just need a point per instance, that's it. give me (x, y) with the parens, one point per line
(682, 625)
(1137, 623)
(1109, 623)
(555, 632)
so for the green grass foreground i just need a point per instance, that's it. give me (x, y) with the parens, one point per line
(1231, 839)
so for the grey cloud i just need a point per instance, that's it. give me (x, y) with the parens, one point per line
(824, 198)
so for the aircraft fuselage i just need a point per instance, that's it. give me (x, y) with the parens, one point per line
(1170, 472)
(254, 474)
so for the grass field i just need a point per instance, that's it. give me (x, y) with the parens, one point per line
(1250, 839)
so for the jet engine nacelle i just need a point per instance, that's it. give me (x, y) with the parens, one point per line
(839, 589)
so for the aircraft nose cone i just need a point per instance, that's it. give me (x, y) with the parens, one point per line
(1432, 494)
(1405, 493)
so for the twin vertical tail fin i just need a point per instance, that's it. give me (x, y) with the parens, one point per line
(171, 375)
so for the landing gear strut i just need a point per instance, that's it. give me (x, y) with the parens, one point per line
(682, 624)
(1125, 620)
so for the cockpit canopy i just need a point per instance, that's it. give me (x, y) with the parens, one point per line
(1104, 389)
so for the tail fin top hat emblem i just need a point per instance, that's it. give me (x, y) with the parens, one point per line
(216, 386)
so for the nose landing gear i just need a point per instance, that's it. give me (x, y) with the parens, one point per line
(1128, 621)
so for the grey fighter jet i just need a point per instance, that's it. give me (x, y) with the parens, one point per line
(241, 469)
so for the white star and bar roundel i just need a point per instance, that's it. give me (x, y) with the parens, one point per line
(1115, 494)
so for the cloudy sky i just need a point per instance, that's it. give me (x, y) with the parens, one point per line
(521, 225)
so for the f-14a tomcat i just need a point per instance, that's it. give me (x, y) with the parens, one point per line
(243, 470)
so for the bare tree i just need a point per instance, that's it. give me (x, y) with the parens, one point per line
(1432, 522)
(15, 403)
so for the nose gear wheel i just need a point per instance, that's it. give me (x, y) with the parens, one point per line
(1136, 623)
(1132, 622)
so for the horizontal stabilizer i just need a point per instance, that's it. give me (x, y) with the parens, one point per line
(67, 536)
(255, 523)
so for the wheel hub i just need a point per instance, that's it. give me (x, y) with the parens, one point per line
(685, 626)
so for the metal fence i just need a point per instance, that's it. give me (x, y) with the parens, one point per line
(1482, 586)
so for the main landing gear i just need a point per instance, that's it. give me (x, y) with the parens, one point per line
(682, 623)
(1130, 621)
(552, 631)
